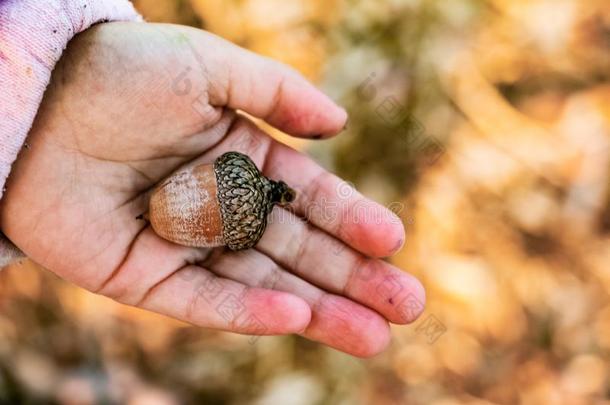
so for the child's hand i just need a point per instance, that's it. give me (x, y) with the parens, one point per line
(131, 102)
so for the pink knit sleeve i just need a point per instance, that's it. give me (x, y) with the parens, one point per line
(33, 35)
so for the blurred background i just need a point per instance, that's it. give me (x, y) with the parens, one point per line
(485, 124)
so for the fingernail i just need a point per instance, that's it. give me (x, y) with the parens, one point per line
(399, 245)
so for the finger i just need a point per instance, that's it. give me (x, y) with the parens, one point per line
(336, 321)
(195, 295)
(334, 205)
(327, 202)
(242, 80)
(330, 264)
(157, 275)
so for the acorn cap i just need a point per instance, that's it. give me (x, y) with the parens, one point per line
(246, 198)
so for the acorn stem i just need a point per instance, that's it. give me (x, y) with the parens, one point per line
(281, 193)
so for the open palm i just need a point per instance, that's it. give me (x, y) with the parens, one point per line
(129, 103)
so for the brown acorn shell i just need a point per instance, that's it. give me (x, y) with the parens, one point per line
(184, 209)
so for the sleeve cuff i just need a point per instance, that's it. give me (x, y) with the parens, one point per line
(33, 36)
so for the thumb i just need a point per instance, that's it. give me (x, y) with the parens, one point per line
(266, 89)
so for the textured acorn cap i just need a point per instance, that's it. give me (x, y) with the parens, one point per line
(246, 198)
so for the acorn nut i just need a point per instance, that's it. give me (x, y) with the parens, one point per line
(224, 204)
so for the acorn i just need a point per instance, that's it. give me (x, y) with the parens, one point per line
(220, 204)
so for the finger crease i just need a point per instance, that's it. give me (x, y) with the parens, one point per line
(360, 263)
(150, 290)
(277, 97)
(302, 237)
(316, 308)
(272, 278)
(124, 260)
